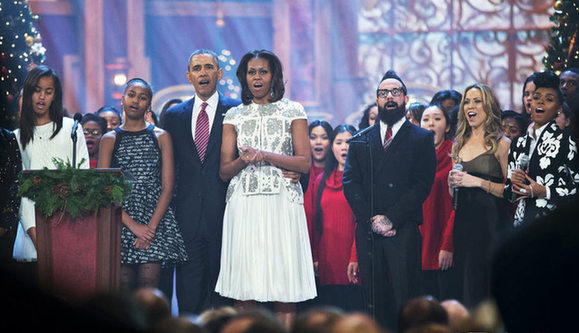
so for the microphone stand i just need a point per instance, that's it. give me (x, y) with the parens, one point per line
(74, 138)
(372, 296)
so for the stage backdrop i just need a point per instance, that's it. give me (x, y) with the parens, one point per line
(334, 52)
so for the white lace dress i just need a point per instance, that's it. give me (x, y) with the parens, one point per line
(266, 252)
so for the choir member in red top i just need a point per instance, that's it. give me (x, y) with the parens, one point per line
(334, 246)
(436, 229)
(320, 131)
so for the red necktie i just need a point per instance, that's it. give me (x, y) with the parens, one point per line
(202, 132)
(387, 138)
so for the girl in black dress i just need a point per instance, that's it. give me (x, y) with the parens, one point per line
(150, 235)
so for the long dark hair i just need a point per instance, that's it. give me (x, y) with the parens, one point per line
(325, 125)
(277, 85)
(56, 111)
(329, 167)
(365, 120)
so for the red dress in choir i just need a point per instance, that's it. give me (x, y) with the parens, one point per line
(310, 201)
(93, 164)
(335, 247)
(436, 229)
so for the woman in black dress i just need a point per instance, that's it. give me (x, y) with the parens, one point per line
(482, 149)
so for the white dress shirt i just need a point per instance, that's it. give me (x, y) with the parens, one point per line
(210, 109)
(395, 128)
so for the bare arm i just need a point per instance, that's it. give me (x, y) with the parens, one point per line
(106, 147)
(167, 178)
(230, 164)
(463, 179)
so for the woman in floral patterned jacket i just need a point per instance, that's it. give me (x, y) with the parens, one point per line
(551, 176)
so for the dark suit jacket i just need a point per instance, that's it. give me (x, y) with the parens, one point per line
(403, 175)
(199, 192)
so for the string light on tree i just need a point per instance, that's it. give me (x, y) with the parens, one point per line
(20, 49)
(563, 51)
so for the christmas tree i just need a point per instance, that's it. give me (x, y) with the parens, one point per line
(20, 50)
(563, 52)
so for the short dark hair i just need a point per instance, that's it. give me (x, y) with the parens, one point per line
(417, 109)
(391, 74)
(138, 80)
(277, 84)
(443, 95)
(549, 79)
(203, 51)
(93, 117)
(112, 109)
(56, 110)
(519, 118)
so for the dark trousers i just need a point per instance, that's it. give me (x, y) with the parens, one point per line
(196, 278)
(439, 284)
(346, 297)
(396, 271)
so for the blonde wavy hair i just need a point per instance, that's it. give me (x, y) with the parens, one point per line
(492, 125)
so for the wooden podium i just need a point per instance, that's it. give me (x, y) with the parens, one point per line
(80, 257)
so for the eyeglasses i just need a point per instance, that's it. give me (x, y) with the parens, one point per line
(383, 93)
(93, 132)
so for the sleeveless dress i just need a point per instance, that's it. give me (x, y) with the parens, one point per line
(139, 153)
(265, 254)
(480, 220)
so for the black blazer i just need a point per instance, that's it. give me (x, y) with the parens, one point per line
(199, 192)
(403, 175)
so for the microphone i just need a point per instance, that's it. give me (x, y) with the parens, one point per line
(522, 164)
(77, 119)
(359, 134)
(458, 167)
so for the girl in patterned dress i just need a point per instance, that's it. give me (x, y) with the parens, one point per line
(150, 235)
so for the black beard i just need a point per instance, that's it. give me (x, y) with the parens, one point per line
(391, 117)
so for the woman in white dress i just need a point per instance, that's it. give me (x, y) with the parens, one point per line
(265, 254)
(44, 134)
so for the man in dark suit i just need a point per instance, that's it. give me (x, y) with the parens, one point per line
(396, 162)
(196, 127)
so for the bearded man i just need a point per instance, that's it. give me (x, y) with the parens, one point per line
(388, 174)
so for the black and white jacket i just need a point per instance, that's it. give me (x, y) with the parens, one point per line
(553, 164)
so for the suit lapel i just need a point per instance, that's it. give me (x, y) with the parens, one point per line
(216, 128)
(186, 122)
(377, 146)
(398, 139)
